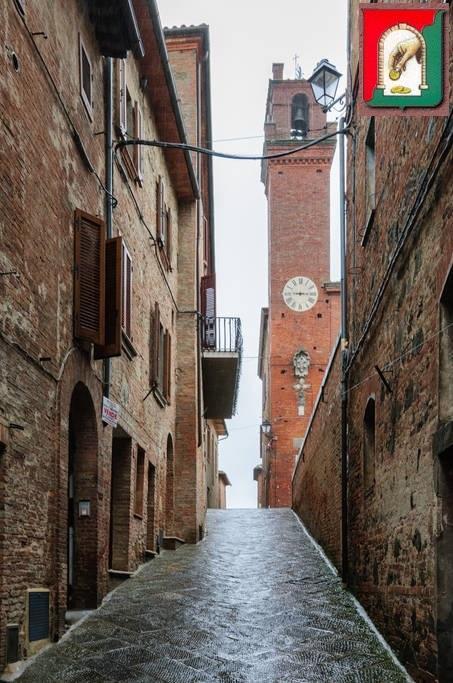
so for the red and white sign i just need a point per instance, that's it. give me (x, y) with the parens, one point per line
(110, 412)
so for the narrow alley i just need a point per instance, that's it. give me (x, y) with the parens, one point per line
(255, 601)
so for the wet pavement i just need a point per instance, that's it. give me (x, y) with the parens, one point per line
(254, 602)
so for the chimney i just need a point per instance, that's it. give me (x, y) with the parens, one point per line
(277, 71)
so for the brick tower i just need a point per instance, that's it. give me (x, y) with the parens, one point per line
(299, 328)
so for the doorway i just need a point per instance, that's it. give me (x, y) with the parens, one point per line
(82, 532)
(150, 530)
(445, 569)
(120, 500)
(169, 489)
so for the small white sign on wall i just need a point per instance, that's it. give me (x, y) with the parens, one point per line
(110, 412)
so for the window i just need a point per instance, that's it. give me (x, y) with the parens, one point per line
(89, 279)
(130, 125)
(127, 293)
(370, 172)
(369, 445)
(164, 227)
(139, 481)
(160, 359)
(86, 78)
(97, 286)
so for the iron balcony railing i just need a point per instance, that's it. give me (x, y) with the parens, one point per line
(222, 335)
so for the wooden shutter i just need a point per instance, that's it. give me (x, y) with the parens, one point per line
(156, 345)
(208, 302)
(89, 278)
(169, 237)
(126, 286)
(138, 149)
(167, 366)
(113, 299)
(160, 209)
(122, 103)
(208, 310)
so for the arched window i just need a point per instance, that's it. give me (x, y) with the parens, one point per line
(299, 116)
(369, 444)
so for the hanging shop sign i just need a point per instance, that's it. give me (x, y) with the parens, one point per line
(404, 59)
(110, 412)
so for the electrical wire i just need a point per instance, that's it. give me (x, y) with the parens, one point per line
(224, 155)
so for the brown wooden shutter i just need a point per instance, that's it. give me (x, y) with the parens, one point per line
(89, 278)
(167, 366)
(159, 208)
(122, 102)
(128, 294)
(208, 299)
(113, 300)
(156, 345)
(169, 237)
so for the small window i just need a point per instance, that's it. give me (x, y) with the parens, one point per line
(130, 126)
(139, 481)
(126, 315)
(369, 445)
(371, 168)
(86, 78)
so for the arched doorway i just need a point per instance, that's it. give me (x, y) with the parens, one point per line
(169, 489)
(82, 502)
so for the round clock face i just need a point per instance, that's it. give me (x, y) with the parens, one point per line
(300, 293)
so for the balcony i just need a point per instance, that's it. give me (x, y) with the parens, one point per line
(221, 343)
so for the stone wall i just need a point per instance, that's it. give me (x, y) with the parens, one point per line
(317, 476)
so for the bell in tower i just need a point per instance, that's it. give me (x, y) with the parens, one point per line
(299, 116)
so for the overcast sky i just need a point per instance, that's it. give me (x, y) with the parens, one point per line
(247, 36)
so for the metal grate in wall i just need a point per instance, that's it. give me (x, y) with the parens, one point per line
(38, 615)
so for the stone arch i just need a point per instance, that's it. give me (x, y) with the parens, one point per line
(300, 113)
(169, 487)
(381, 65)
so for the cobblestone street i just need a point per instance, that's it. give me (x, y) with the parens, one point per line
(255, 601)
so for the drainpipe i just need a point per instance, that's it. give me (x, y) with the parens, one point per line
(108, 85)
(344, 359)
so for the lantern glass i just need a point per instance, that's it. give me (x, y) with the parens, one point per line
(324, 83)
(266, 427)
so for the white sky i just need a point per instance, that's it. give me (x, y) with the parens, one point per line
(247, 36)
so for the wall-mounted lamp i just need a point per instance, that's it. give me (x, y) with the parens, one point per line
(266, 428)
(84, 508)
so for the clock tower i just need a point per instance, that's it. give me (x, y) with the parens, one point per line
(301, 324)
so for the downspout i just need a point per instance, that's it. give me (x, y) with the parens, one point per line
(108, 85)
(344, 363)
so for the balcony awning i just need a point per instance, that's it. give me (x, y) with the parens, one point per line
(116, 28)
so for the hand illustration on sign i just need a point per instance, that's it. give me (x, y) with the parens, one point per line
(401, 54)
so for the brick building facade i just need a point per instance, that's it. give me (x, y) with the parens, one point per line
(399, 444)
(96, 288)
(299, 327)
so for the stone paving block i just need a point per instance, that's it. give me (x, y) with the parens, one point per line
(226, 611)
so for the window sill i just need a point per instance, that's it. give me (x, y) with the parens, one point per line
(127, 346)
(137, 515)
(368, 226)
(160, 398)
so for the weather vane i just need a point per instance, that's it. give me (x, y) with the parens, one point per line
(297, 68)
